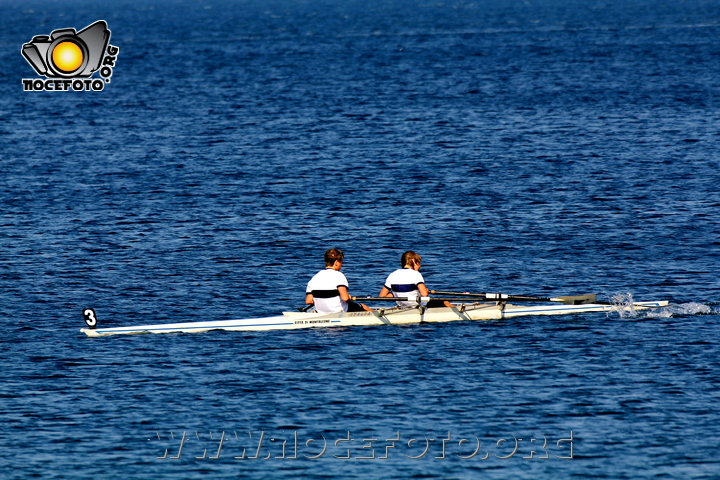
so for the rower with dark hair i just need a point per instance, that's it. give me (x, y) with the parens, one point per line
(328, 289)
(409, 282)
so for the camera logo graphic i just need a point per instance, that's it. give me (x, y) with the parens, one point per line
(66, 57)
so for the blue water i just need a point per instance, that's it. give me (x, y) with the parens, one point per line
(539, 148)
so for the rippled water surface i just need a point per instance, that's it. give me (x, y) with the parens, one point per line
(538, 148)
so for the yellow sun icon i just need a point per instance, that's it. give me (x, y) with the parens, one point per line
(67, 56)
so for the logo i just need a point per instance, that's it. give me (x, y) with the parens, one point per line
(68, 59)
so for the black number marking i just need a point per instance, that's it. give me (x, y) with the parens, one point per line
(90, 317)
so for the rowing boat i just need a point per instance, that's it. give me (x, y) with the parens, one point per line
(381, 316)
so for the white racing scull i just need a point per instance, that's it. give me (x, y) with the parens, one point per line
(381, 316)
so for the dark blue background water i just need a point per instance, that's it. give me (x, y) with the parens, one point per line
(540, 147)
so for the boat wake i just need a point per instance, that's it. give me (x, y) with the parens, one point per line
(682, 309)
(623, 305)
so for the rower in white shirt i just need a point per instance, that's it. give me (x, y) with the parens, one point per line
(409, 282)
(328, 289)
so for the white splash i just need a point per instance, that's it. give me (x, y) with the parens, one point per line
(622, 303)
(690, 308)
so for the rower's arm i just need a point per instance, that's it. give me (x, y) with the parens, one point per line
(423, 290)
(385, 292)
(309, 299)
(343, 291)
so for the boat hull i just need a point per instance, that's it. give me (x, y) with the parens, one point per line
(389, 316)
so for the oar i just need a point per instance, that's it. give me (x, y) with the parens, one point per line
(419, 300)
(408, 299)
(568, 300)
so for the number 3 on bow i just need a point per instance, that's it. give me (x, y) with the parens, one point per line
(90, 317)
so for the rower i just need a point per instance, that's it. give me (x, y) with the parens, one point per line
(409, 282)
(328, 289)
